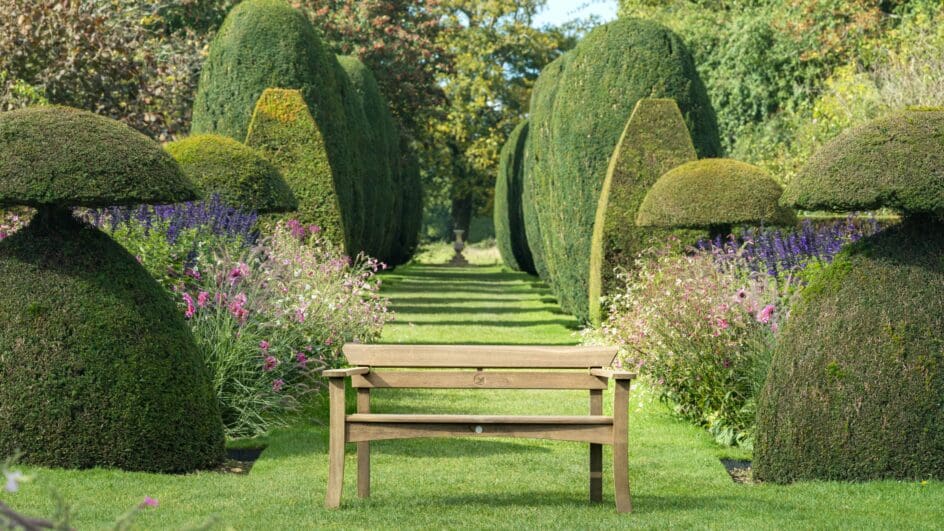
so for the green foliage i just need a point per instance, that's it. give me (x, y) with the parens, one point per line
(99, 368)
(714, 193)
(66, 157)
(284, 131)
(654, 141)
(240, 175)
(411, 213)
(380, 154)
(538, 154)
(267, 44)
(509, 218)
(856, 383)
(606, 74)
(894, 162)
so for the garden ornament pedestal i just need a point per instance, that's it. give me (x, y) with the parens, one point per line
(458, 246)
(856, 380)
(99, 368)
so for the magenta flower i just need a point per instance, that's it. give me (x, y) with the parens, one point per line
(301, 358)
(314, 229)
(149, 502)
(269, 363)
(202, 299)
(764, 315)
(740, 295)
(237, 273)
(722, 323)
(191, 310)
(264, 346)
(277, 385)
(300, 315)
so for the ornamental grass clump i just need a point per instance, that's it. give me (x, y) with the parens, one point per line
(269, 318)
(98, 367)
(857, 382)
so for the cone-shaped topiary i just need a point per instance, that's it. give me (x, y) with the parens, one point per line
(267, 44)
(509, 219)
(98, 367)
(240, 175)
(537, 156)
(613, 67)
(856, 382)
(380, 155)
(655, 140)
(284, 131)
(714, 194)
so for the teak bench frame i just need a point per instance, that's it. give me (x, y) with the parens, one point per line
(363, 427)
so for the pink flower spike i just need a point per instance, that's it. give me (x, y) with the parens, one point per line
(149, 502)
(191, 310)
(764, 315)
(202, 299)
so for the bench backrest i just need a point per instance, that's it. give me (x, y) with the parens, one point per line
(480, 358)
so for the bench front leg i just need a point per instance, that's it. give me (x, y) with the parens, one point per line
(621, 445)
(363, 449)
(336, 439)
(596, 451)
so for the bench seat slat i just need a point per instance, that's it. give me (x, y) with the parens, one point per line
(478, 380)
(479, 419)
(479, 356)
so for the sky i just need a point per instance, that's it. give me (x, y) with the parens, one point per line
(560, 11)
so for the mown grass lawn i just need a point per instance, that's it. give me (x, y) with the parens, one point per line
(677, 479)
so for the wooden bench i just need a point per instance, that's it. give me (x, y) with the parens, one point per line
(543, 362)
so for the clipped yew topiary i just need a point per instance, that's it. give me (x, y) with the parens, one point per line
(267, 44)
(285, 132)
(240, 175)
(856, 383)
(509, 218)
(537, 155)
(714, 194)
(411, 214)
(654, 140)
(97, 366)
(610, 70)
(380, 153)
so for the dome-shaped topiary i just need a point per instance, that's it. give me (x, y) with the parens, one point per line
(509, 219)
(894, 162)
(714, 194)
(98, 367)
(611, 69)
(380, 156)
(655, 140)
(267, 44)
(285, 132)
(856, 383)
(62, 156)
(240, 175)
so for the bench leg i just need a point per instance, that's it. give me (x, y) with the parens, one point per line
(335, 443)
(621, 447)
(363, 449)
(596, 451)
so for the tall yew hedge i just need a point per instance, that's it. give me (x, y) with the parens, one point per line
(509, 219)
(577, 129)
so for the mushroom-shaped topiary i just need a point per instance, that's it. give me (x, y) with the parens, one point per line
(97, 366)
(856, 382)
(240, 175)
(714, 194)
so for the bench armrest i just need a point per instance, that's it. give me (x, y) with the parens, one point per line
(345, 373)
(613, 375)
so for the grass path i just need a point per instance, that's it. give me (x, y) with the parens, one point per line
(677, 479)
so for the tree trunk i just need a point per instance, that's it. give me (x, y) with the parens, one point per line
(461, 215)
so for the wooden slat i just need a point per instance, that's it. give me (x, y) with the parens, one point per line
(363, 449)
(473, 356)
(588, 433)
(480, 419)
(478, 380)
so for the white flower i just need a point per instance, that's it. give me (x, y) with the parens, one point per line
(13, 480)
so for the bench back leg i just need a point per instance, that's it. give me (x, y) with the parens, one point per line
(363, 449)
(335, 443)
(596, 451)
(621, 446)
